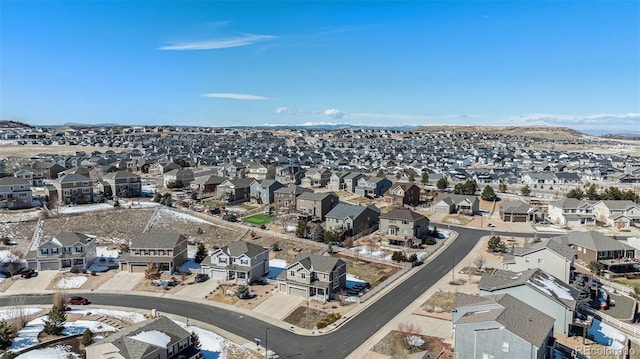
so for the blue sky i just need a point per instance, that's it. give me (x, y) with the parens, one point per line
(212, 63)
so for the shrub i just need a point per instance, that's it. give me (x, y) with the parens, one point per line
(87, 337)
(75, 270)
(328, 319)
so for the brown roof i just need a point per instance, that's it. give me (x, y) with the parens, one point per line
(402, 214)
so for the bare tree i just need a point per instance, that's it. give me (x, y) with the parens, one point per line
(410, 334)
(285, 220)
(18, 316)
(60, 299)
(479, 262)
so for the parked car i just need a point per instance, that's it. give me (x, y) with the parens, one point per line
(202, 277)
(79, 300)
(30, 273)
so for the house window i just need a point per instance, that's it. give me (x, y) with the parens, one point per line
(292, 273)
(222, 260)
(244, 261)
(527, 259)
(505, 347)
(540, 260)
(44, 251)
(170, 351)
(303, 275)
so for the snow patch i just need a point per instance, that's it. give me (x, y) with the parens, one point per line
(189, 266)
(183, 216)
(353, 278)
(79, 326)
(277, 263)
(549, 229)
(153, 337)
(70, 283)
(9, 313)
(83, 208)
(57, 352)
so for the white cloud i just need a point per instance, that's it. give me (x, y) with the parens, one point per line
(291, 111)
(235, 96)
(335, 113)
(580, 122)
(215, 44)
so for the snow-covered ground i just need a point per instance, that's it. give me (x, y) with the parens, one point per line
(19, 216)
(213, 346)
(353, 278)
(549, 229)
(189, 266)
(9, 313)
(105, 257)
(83, 208)
(70, 282)
(184, 216)
(278, 263)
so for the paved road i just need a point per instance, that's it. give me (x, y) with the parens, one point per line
(337, 344)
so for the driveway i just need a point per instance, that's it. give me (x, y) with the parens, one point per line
(122, 281)
(198, 290)
(31, 285)
(279, 305)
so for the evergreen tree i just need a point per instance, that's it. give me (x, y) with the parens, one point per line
(575, 193)
(331, 236)
(424, 179)
(54, 324)
(195, 340)
(488, 194)
(442, 184)
(380, 173)
(412, 178)
(525, 191)
(301, 228)
(87, 337)
(201, 254)
(318, 234)
(496, 245)
(6, 334)
(592, 193)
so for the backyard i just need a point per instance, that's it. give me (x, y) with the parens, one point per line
(259, 219)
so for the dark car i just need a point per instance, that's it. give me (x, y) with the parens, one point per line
(202, 277)
(30, 273)
(79, 301)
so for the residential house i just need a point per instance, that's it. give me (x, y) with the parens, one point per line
(403, 193)
(238, 261)
(290, 175)
(312, 276)
(538, 289)
(263, 192)
(350, 219)
(457, 203)
(235, 190)
(167, 250)
(336, 182)
(571, 212)
(123, 184)
(539, 179)
(372, 186)
(351, 181)
(554, 255)
(500, 327)
(620, 214)
(74, 189)
(206, 183)
(567, 178)
(262, 172)
(315, 206)
(180, 175)
(15, 193)
(594, 246)
(403, 227)
(316, 178)
(160, 168)
(518, 211)
(285, 198)
(49, 170)
(34, 176)
(64, 251)
(157, 338)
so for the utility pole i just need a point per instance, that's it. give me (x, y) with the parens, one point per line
(266, 343)
(453, 268)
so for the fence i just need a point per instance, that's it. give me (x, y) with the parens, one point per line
(382, 285)
(630, 329)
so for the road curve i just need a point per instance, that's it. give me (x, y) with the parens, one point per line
(336, 344)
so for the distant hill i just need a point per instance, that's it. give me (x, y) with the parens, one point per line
(329, 127)
(557, 133)
(14, 124)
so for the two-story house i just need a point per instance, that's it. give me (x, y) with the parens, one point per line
(160, 168)
(312, 276)
(594, 246)
(206, 183)
(336, 181)
(235, 190)
(554, 255)
(34, 176)
(290, 175)
(263, 192)
(167, 250)
(157, 338)
(184, 176)
(536, 288)
(15, 193)
(372, 186)
(403, 227)
(123, 184)
(351, 181)
(350, 219)
(403, 193)
(285, 198)
(500, 327)
(65, 250)
(239, 261)
(571, 212)
(261, 172)
(315, 206)
(74, 189)
(620, 214)
(316, 178)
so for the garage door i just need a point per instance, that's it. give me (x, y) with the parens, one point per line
(217, 275)
(124, 267)
(298, 292)
(49, 266)
(138, 268)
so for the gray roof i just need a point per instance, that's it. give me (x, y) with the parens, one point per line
(594, 241)
(535, 278)
(119, 174)
(293, 190)
(316, 196)
(556, 244)
(12, 181)
(343, 210)
(238, 248)
(402, 214)
(134, 349)
(317, 263)
(70, 238)
(71, 177)
(570, 203)
(209, 179)
(156, 240)
(515, 207)
(619, 204)
(516, 316)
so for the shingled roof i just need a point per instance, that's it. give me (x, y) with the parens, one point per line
(238, 248)
(317, 263)
(404, 214)
(156, 240)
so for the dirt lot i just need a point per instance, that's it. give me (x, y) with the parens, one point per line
(395, 345)
(261, 292)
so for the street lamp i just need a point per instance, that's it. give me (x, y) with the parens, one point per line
(453, 268)
(266, 341)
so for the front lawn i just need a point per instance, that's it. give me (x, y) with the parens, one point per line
(259, 219)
